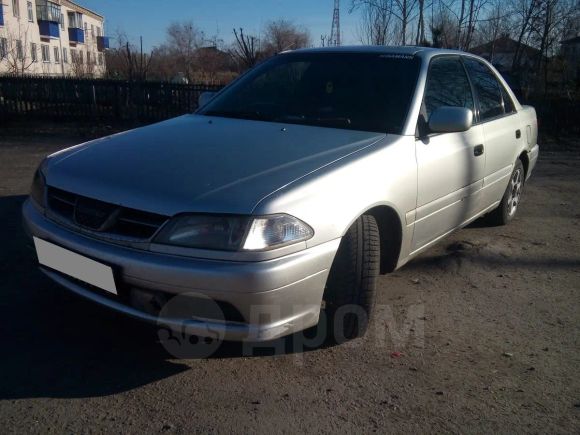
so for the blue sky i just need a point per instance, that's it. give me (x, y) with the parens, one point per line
(150, 18)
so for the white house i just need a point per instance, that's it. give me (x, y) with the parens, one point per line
(51, 38)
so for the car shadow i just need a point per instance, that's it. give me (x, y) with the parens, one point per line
(59, 345)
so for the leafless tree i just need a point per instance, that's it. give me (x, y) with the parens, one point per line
(246, 48)
(18, 54)
(526, 12)
(420, 36)
(376, 24)
(183, 41)
(281, 35)
(494, 24)
(404, 12)
(126, 60)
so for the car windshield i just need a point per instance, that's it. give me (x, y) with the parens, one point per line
(356, 91)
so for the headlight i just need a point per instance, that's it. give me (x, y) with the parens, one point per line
(38, 188)
(274, 231)
(234, 233)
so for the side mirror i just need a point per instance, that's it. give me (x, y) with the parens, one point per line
(204, 98)
(446, 119)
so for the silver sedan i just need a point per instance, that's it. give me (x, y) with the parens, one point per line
(286, 194)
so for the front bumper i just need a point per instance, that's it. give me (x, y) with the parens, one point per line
(274, 297)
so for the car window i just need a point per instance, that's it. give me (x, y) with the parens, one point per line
(487, 87)
(369, 92)
(447, 85)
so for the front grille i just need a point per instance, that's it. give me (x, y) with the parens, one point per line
(103, 217)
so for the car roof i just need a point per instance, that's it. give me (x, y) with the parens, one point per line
(406, 50)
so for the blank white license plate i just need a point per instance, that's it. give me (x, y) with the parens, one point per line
(75, 265)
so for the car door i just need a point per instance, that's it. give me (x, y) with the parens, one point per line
(450, 165)
(501, 129)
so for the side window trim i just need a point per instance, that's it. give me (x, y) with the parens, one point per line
(474, 93)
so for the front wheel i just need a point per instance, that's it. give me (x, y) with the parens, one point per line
(511, 198)
(350, 290)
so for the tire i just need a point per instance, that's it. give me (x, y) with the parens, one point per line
(511, 199)
(351, 286)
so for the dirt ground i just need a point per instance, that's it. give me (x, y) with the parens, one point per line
(478, 335)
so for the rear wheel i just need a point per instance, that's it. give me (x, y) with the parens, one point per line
(351, 286)
(511, 198)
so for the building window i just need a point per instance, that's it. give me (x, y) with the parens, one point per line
(30, 13)
(88, 57)
(19, 50)
(56, 55)
(64, 55)
(16, 9)
(48, 11)
(73, 55)
(45, 53)
(81, 61)
(34, 52)
(62, 22)
(100, 57)
(3, 48)
(92, 31)
(75, 20)
(86, 31)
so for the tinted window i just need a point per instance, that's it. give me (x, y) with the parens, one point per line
(370, 92)
(447, 85)
(487, 88)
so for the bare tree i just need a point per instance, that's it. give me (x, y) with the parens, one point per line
(18, 54)
(126, 60)
(420, 37)
(552, 18)
(444, 29)
(404, 11)
(527, 12)
(494, 24)
(183, 41)
(246, 48)
(281, 35)
(375, 27)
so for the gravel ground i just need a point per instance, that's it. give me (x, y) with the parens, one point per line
(480, 334)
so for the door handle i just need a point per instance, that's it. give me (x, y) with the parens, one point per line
(478, 150)
(518, 133)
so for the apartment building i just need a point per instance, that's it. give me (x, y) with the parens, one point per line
(51, 38)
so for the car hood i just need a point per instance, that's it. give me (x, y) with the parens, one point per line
(197, 163)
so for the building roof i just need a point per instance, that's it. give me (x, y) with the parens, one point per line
(86, 11)
(571, 41)
(504, 44)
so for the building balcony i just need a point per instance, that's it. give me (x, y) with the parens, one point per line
(103, 43)
(1, 15)
(76, 35)
(48, 16)
(48, 29)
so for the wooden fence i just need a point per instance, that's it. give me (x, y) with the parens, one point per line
(67, 99)
(117, 101)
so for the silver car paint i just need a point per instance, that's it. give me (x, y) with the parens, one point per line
(195, 163)
(325, 177)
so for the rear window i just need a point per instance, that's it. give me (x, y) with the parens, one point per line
(357, 91)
